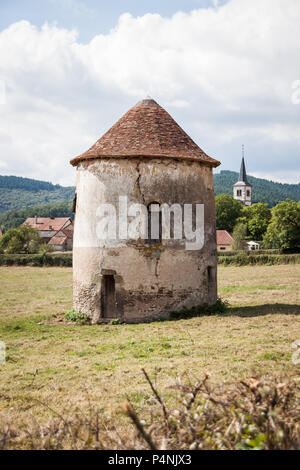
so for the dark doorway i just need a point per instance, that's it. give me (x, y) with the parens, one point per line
(108, 296)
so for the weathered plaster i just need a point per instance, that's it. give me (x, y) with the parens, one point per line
(150, 280)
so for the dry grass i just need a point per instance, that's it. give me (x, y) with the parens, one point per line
(71, 367)
(27, 292)
(258, 285)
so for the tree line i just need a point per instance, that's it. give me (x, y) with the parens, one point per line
(277, 228)
(13, 219)
(27, 184)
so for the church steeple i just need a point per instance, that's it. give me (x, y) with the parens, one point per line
(243, 174)
(242, 190)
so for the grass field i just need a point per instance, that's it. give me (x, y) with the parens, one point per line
(71, 367)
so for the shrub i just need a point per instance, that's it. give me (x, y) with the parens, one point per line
(251, 414)
(77, 317)
(252, 252)
(115, 321)
(253, 259)
(33, 246)
(20, 240)
(239, 235)
(41, 259)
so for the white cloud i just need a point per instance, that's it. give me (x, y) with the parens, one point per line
(278, 176)
(225, 74)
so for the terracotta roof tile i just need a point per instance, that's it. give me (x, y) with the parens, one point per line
(58, 240)
(224, 238)
(146, 130)
(46, 223)
(68, 232)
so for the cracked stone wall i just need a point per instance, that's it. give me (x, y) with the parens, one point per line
(150, 280)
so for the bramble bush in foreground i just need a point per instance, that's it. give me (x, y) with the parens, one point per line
(255, 413)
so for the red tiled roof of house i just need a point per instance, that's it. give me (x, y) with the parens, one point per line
(46, 223)
(224, 238)
(146, 130)
(58, 240)
(68, 232)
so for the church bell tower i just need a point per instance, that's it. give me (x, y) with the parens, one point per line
(242, 190)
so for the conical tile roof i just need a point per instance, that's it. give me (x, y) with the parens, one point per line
(146, 130)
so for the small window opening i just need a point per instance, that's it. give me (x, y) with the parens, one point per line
(239, 192)
(210, 275)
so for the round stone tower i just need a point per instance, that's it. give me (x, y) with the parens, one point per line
(145, 160)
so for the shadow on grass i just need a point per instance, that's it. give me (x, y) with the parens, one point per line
(221, 308)
(260, 310)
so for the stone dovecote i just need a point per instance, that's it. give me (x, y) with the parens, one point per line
(145, 158)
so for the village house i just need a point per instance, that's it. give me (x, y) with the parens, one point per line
(224, 240)
(55, 231)
(252, 245)
(147, 158)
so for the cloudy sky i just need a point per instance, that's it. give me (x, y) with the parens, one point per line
(227, 71)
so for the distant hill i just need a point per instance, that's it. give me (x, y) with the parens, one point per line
(17, 193)
(263, 190)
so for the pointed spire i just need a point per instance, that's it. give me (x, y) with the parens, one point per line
(243, 174)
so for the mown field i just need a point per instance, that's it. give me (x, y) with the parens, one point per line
(53, 367)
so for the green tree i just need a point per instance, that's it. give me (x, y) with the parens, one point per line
(20, 240)
(257, 217)
(284, 229)
(228, 210)
(14, 245)
(239, 235)
(34, 246)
